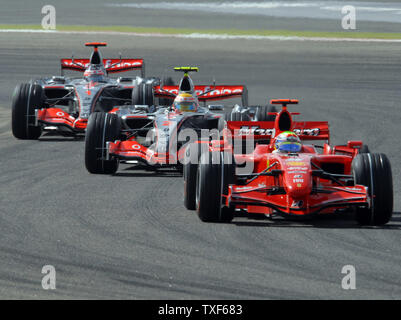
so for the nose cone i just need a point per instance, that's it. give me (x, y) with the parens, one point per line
(297, 179)
(298, 187)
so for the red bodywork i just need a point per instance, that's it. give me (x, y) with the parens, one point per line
(204, 93)
(292, 188)
(111, 65)
(58, 117)
(295, 185)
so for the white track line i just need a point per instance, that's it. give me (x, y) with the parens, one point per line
(203, 36)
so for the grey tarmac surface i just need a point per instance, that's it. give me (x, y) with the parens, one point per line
(128, 236)
(100, 13)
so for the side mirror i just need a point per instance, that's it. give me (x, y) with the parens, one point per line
(354, 144)
(215, 107)
(141, 107)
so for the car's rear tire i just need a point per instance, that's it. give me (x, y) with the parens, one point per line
(26, 98)
(211, 174)
(167, 81)
(374, 171)
(364, 149)
(102, 127)
(238, 116)
(142, 94)
(262, 113)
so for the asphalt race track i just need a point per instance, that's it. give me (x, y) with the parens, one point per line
(129, 236)
(109, 13)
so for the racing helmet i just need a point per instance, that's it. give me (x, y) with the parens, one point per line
(185, 102)
(287, 142)
(95, 73)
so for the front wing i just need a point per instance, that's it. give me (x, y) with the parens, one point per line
(265, 200)
(56, 117)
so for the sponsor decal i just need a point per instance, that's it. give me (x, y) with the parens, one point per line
(297, 204)
(124, 64)
(216, 92)
(210, 92)
(296, 163)
(307, 132)
(353, 189)
(243, 188)
(255, 130)
(84, 63)
(298, 180)
(173, 91)
(297, 169)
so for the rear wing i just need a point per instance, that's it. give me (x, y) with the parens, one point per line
(263, 130)
(111, 65)
(207, 92)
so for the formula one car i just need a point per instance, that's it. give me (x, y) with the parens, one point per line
(150, 134)
(304, 181)
(63, 104)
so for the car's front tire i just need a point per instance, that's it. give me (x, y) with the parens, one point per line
(26, 98)
(190, 168)
(213, 178)
(102, 127)
(374, 171)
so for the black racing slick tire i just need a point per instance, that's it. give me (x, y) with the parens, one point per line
(167, 102)
(374, 171)
(239, 116)
(364, 149)
(142, 94)
(212, 179)
(102, 127)
(262, 113)
(26, 98)
(190, 167)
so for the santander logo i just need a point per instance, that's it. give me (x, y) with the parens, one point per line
(219, 91)
(124, 64)
(84, 63)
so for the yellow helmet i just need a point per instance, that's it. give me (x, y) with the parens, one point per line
(185, 102)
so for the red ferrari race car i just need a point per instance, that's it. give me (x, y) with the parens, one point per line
(149, 134)
(291, 176)
(63, 104)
